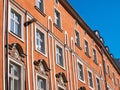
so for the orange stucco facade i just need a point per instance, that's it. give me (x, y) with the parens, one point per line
(23, 50)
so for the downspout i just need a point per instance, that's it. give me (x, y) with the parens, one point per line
(3, 49)
(6, 43)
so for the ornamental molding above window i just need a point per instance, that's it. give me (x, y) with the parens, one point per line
(16, 51)
(41, 66)
(61, 78)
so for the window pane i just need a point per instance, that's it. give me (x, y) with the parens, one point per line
(40, 5)
(77, 38)
(14, 76)
(17, 85)
(12, 14)
(57, 19)
(90, 79)
(40, 41)
(41, 83)
(16, 28)
(59, 56)
(86, 48)
(98, 83)
(15, 23)
(11, 25)
(11, 84)
(80, 72)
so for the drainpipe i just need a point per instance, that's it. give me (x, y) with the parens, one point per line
(6, 43)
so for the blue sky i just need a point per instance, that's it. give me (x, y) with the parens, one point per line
(102, 15)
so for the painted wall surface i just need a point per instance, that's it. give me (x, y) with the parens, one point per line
(72, 54)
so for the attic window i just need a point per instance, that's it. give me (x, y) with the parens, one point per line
(101, 39)
(97, 34)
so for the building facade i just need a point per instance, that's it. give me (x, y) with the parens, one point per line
(45, 45)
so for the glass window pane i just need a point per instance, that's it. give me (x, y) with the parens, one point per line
(16, 28)
(11, 25)
(17, 85)
(11, 84)
(12, 14)
(15, 23)
(41, 83)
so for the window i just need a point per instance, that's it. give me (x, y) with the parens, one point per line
(59, 56)
(104, 65)
(86, 48)
(98, 84)
(15, 23)
(77, 38)
(108, 71)
(90, 79)
(95, 56)
(40, 41)
(114, 78)
(57, 19)
(41, 83)
(14, 76)
(80, 72)
(40, 5)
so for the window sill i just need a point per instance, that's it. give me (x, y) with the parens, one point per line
(62, 67)
(87, 55)
(40, 11)
(82, 81)
(16, 36)
(59, 28)
(41, 53)
(78, 46)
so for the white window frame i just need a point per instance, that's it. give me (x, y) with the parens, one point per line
(22, 72)
(58, 44)
(96, 82)
(55, 9)
(39, 75)
(79, 62)
(22, 18)
(37, 27)
(43, 6)
(88, 70)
